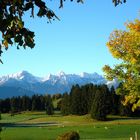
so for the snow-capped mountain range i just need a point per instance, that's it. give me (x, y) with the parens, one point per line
(50, 84)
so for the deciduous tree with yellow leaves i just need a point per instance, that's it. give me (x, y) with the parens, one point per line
(125, 45)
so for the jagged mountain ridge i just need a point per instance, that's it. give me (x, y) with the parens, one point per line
(58, 83)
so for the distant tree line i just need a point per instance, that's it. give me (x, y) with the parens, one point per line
(25, 103)
(97, 100)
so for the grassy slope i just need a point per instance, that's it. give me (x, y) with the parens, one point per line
(36, 126)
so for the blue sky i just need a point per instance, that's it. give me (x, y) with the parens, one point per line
(76, 43)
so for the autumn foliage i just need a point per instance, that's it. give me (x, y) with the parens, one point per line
(125, 45)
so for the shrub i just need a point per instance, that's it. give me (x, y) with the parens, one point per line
(69, 136)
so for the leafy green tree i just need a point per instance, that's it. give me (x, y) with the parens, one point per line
(12, 25)
(125, 45)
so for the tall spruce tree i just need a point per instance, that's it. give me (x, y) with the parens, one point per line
(26, 103)
(65, 104)
(5, 105)
(106, 92)
(36, 102)
(15, 105)
(49, 105)
(33, 103)
(115, 101)
(75, 99)
(99, 107)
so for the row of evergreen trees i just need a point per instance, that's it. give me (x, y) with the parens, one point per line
(26, 103)
(97, 100)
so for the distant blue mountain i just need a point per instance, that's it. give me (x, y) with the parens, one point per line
(23, 81)
(13, 91)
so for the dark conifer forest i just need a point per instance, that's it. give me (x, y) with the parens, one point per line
(97, 100)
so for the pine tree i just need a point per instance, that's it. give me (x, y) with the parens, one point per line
(15, 105)
(26, 103)
(65, 104)
(35, 102)
(42, 103)
(49, 105)
(115, 101)
(108, 97)
(75, 100)
(99, 107)
(5, 105)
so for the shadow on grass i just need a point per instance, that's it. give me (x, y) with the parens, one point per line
(23, 125)
(122, 118)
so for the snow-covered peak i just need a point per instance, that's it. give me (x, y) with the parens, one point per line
(58, 83)
(83, 74)
(20, 76)
(24, 72)
(96, 75)
(61, 76)
(90, 75)
(61, 73)
(48, 77)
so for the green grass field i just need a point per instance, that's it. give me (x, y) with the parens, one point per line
(39, 126)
